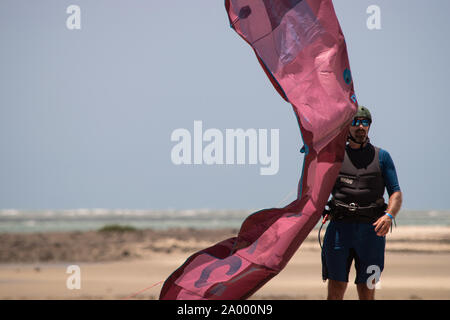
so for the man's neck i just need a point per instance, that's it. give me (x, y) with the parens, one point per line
(354, 145)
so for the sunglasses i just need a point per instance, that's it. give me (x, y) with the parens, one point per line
(364, 122)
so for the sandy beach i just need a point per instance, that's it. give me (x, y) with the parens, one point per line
(125, 265)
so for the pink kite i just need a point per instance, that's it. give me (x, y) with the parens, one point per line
(300, 46)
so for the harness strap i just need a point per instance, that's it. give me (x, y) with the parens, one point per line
(340, 210)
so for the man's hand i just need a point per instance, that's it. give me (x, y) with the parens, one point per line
(382, 225)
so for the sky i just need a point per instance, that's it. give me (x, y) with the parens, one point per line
(87, 115)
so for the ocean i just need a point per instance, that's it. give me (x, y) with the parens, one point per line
(13, 221)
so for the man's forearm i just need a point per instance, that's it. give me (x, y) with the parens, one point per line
(395, 203)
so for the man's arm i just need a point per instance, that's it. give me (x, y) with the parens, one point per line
(383, 224)
(395, 203)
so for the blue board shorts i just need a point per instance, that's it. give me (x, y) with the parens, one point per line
(348, 241)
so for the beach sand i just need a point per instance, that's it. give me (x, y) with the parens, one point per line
(126, 265)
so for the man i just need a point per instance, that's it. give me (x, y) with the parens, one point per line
(360, 219)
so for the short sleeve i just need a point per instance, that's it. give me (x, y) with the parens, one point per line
(389, 173)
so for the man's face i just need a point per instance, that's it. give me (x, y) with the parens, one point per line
(359, 131)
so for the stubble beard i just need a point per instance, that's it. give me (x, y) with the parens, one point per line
(360, 136)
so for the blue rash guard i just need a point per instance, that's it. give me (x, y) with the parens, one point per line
(389, 173)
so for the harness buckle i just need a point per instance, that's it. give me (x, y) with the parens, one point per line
(352, 207)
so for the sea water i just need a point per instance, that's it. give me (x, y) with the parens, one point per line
(94, 219)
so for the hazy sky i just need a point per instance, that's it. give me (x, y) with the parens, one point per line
(86, 116)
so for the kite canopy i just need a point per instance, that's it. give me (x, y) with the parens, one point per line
(300, 46)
